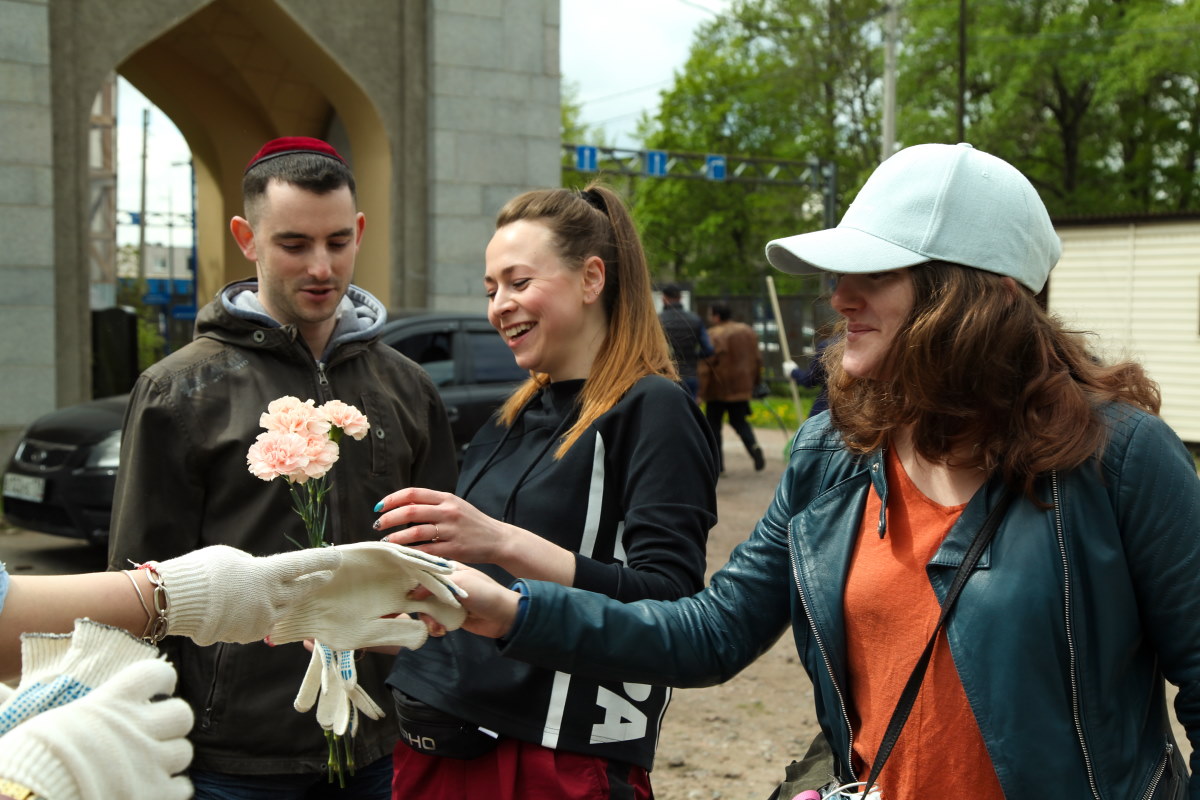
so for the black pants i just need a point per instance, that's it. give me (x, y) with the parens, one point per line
(738, 410)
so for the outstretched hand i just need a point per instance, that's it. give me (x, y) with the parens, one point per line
(375, 581)
(491, 609)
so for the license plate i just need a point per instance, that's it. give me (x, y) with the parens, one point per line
(24, 487)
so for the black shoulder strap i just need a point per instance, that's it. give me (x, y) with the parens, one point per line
(913, 686)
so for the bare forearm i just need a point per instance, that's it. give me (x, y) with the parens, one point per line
(52, 603)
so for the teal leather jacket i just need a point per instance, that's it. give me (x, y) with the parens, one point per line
(1062, 636)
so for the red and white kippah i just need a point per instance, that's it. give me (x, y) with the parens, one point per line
(287, 145)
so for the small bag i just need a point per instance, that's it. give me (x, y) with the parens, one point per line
(436, 733)
(761, 389)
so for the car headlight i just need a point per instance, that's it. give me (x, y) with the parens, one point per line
(107, 453)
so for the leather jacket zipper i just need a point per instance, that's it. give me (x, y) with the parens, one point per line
(1158, 773)
(824, 657)
(1062, 549)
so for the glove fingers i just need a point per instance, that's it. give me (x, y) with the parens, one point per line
(397, 631)
(363, 702)
(299, 563)
(440, 587)
(174, 754)
(450, 616)
(168, 719)
(310, 687)
(142, 680)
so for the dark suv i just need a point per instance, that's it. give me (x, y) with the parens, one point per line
(61, 477)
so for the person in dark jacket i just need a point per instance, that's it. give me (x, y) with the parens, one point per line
(300, 329)
(600, 474)
(686, 335)
(953, 396)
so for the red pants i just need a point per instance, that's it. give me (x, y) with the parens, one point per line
(516, 770)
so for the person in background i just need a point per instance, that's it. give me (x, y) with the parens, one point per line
(957, 403)
(299, 328)
(686, 336)
(728, 378)
(599, 474)
(812, 376)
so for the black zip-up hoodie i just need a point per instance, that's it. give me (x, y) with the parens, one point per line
(634, 498)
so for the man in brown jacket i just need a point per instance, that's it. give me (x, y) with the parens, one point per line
(728, 377)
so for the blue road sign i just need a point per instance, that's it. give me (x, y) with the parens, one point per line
(587, 158)
(155, 299)
(656, 162)
(714, 168)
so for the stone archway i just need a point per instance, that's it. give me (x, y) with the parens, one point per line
(232, 75)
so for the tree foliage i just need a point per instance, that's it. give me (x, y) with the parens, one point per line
(1095, 100)
(1098, 101)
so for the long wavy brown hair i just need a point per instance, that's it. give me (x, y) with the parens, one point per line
(986, 378)
(595, 222)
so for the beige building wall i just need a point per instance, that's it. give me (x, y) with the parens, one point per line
(1136, 285)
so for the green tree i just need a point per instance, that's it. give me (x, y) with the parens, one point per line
(1095, 100)
(789, 79)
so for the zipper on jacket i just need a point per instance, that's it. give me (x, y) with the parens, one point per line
(825, 658)
(206, 720)
(1158, 773)
(322, 378)
(1078, 719)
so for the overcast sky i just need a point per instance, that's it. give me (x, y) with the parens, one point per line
(620, 53)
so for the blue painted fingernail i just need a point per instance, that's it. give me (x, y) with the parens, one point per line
(379, 507)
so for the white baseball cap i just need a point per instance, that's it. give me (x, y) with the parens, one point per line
(934, 202)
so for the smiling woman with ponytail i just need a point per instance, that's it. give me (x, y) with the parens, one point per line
(599, 473)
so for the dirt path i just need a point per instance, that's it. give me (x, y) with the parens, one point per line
(733, 741)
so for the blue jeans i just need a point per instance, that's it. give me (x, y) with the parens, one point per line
(372, 782)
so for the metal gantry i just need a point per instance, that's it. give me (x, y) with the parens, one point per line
(815, 174)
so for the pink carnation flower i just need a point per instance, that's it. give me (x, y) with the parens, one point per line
(277, 454)
(345, 416)
(291, 415)
(321, 452)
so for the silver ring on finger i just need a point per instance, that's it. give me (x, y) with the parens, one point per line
(437, 537)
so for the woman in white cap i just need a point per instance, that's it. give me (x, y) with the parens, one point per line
(972, 444)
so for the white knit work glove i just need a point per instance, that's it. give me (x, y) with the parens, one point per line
(789, 367)
(117, 742)
(374, 580)
(221, 594)
(59, 668)
(332, 683)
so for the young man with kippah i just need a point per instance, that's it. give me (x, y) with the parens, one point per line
(299, 328)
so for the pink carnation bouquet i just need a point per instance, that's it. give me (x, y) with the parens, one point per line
(300, 445)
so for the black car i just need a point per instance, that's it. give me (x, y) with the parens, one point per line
(62, 475)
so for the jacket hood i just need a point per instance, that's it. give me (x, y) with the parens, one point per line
(237, 310)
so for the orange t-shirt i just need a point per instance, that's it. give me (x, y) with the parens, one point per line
(891, 611)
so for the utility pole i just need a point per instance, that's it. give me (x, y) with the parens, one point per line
(962, 70)
(888, 145)
(142, 211)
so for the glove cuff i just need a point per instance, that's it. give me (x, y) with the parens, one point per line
(41, 655)
(29, 761)
(189, 601)
(98, 651)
